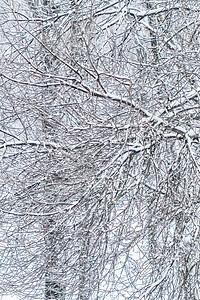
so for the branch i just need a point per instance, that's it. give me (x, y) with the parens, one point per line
(32, 143)
(155, 284)
(189, 143)
(30, 213)
(147, 13)
(10, 134)
(85, 89)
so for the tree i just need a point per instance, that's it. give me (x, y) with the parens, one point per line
(100, 149)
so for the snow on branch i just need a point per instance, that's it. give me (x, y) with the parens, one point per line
(32, 143)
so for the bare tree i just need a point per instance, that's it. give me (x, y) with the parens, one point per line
(100, 149)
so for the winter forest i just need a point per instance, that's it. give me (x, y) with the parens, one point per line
(100, 149)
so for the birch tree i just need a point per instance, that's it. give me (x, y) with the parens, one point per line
(100, 149)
